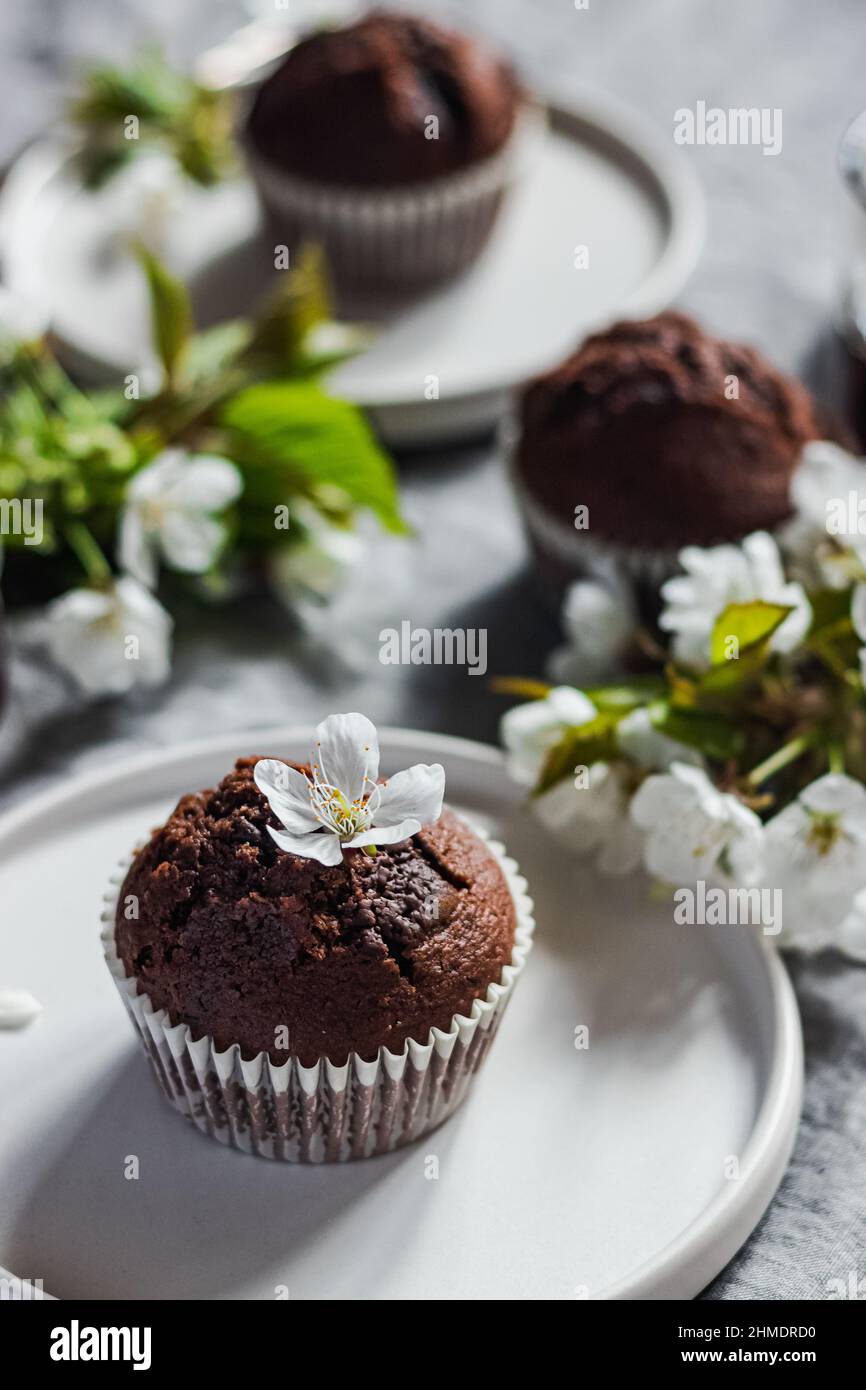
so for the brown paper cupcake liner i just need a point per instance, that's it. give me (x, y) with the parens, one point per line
(323, 1113)
(396, 237)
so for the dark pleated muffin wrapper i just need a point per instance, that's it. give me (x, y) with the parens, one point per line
(323, 1113)
(564, 554)
(397, 237)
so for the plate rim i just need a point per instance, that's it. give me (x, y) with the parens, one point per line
(611, 122)
(702, 1249)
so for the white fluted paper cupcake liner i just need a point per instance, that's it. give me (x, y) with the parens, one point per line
(578, 553)
(398, 236)
(323, 1113)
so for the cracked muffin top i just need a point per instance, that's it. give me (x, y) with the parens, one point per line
(354, 105)
(668, 435)
(278, 953)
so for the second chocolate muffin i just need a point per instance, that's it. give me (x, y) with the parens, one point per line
(667, 436)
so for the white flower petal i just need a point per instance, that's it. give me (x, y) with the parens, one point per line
(690, 824)
(592, 817)
(656, 798)
(205, 483)
(834, 794)
(825, 471)
(727, 574)
(645, 745)
(190, 542)
(171, 504)
(324, 848)
(765, 562)
(569, 706)
(597, 623)
(287, 791)
(346, 751)
(572, 816)
(530, 730)
(316, 567)
(134, 551)
(110, 640)
(417, 791)
(155, 479)
(386, 834)
(814, 851)
(18, 1008)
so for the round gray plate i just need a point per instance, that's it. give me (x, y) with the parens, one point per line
(568, 1173)
(600, 179)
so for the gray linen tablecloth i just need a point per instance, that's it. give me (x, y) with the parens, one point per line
(767, 274)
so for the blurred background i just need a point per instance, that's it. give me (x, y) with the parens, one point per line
(768, 274)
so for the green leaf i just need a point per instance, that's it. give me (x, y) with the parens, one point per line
(580, 745)
(625, 695)
(295, 426)
(176, 115)
(149, 87)
(211, 352)
(170, 311)
(748, 624)
(829, 606)
(285, 320)
(712, 734)
(831, 636)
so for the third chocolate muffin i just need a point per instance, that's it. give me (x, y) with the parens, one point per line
(391, 143)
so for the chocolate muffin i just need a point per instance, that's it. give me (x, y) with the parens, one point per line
(312, 1011)
(391, 142)
(353, 106)
(237, 939)
(667, 436)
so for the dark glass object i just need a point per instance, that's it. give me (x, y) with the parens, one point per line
(852, 166)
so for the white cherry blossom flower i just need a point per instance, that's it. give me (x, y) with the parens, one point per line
(725, 574)
(147, 201)
(597, 624)
(828, 491)
(691, 827)
(646, 746)
(814, 850)
(592, 814)
(593, 818)
(111, 639)
(341, 805)
(529, 731)
(314, 567)
(171, 507)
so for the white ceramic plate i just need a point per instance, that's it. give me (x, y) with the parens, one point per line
(567, 1173)
(599, 179)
